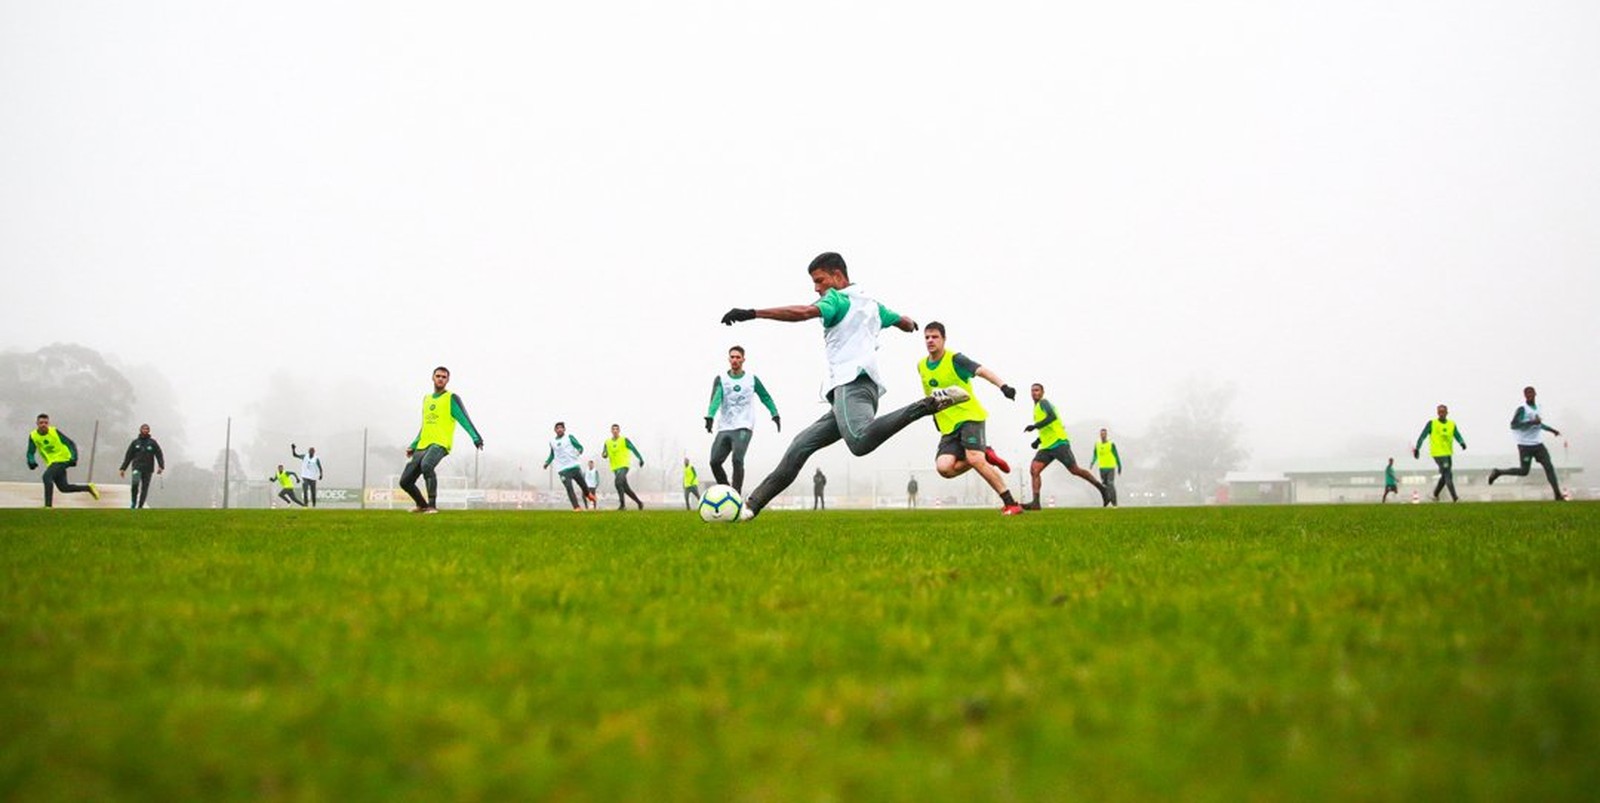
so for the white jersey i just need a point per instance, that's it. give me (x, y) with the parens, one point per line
(591, 478)
(1531, 436)
(564, 453)
(311, 468)
(738, 410)
(852, 344)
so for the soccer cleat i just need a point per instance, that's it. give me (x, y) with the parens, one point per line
(94, 491)
(746, 513)
(995, 460)
(945, 398)
(1011, 510)
(1034, 505)
(430, 510)
(1494, 474)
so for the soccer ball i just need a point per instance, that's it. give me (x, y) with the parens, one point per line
(721, 503)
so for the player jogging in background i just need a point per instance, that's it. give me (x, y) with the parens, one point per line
(616, 451)
(851, 321)
(1053, 444)
(963, 445)
(732, 415)
(1391, 485)
(1109, 461)
(441, 412)
(691, 484)
(143, 454)
(1442, 436)
(60, 454)
(310, 472)
(591, 480)
(564, 453)
(286, 481)
(1528, 424)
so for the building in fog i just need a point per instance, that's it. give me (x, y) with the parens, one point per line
(1360, 480)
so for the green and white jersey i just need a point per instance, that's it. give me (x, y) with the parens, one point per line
(850, 324)
(564, 452)
(733, 401)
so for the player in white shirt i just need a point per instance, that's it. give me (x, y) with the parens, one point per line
(1528, 424)
(310, 472)
(564, 453)
(732, 416)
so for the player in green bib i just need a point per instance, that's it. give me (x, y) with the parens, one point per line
(1109, 461)
(691, 484)
(1391, 485)
(616, 450)
(285, 480)
(59, 454)
(963, 445)
(1442, 435)
(1053, 444)
(441, 412)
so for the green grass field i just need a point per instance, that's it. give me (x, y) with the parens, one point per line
(1399, 652)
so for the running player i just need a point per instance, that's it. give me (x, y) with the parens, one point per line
(564, 452)
(616, 451)
(851, 321)
(963, 445)
(286, 481)
(60, 454)
(1391, 485)
(732, 415)
(1109, 461)
(1442, 436)
(143, 454)
(1053, 444)
(691, 484)
(1528, 424)
(441, 411)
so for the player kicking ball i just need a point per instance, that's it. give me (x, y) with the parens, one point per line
(962, 443)
(851, 321)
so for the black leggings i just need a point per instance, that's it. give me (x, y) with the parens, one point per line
(1526, 455)
(55, 479)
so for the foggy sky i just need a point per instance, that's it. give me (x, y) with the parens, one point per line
(1351, 211)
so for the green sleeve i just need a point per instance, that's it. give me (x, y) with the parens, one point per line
(1519, 421)
(550, 458)
(965, 366)
(716, 396)
(573, 439)
(887, 317)
(1049, 414)
(635, 450)
(763, 395)
(458, 411)
(72, 448)
(833, 306)
(1116, 456)
(31, 452)
(1426, 428)
(1459, 439)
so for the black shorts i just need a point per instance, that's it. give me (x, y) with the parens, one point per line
(1391, 487)
(968, 435)
(1061, 452)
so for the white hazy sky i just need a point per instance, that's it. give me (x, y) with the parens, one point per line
(1351, 210)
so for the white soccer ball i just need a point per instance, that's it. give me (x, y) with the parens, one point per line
(721, 503)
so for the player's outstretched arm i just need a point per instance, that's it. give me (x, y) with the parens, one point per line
(994, 379)
(790, 314)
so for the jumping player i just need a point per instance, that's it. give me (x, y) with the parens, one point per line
(441, 412)
(851, 321)
(962, 442)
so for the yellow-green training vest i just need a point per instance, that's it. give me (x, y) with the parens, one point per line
(438, 425)
(1441, 438)
(284, 480)
(943, 375)
(617, 452)
(50, 446)
(1105, 454)
(690, 479)
(1054, 433)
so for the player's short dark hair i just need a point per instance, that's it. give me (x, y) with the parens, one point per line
(830, 262)
(439, 368)
(931, 325)
(1039, 386)
(45, 416)
(618, 426)
(739, 349)
(561, 423)
(1528, 388)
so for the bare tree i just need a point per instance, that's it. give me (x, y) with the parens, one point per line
(1196, 440)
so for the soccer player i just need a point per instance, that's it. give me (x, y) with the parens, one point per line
(591, 480)
(691, 484)
(310, 472)
(1391, 485)
(851, 321)
(1053, 444)
(616, 450)
(1528, 424)
(1109, 461)
(819, 482)
(564, 452)
(441, 412)
(143, 454)
(911, 494)
(732, 416)
(1442, 435)
(60, 454)
(963, 445)
(286, 481)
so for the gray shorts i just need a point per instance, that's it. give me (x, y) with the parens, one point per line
(968, 436)
(1061, 452)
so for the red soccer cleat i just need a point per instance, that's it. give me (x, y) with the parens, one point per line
(1011, 510)
(995, 460)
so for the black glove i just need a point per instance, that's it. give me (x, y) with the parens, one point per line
(708, 423)
(777, 422)
(1035, 444)
(73, 463)
(478, 443)
(33, 466)
(1030, 427)
(1009, 392)
(1414, 454)
(736, 315)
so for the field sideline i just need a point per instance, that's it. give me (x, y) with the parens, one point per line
(1379, 652)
